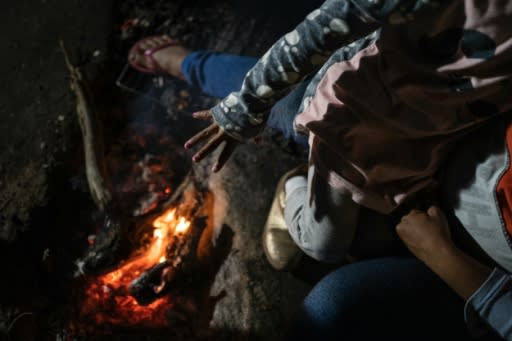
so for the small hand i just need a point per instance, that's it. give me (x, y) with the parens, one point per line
(215, 136)
(424, 233)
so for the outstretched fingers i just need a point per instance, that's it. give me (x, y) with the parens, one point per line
(210, 146)
(202, 135)
(213, 136)
(203, 115)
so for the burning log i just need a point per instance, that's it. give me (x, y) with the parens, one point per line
(92, 139)
(181, 263)
(151, 284)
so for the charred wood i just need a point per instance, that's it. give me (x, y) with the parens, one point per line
(181, 264)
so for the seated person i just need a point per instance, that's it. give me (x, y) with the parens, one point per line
(452, 291)
(381, 91)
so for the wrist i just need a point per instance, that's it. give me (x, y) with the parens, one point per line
(461, 272)
(439, 254)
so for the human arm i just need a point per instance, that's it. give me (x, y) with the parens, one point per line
(426, 235)
(243, 114)
(487, 292)
(304, 50)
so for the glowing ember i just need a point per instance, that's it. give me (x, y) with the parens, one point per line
(107, 296)
(182, 226)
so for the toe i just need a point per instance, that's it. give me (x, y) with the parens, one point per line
(150, 43)
(144, 45)
(157, 61)
(154, 42)
(137, 59)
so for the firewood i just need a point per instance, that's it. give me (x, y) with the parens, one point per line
(151, 284)
(180, 264)
(92, 139)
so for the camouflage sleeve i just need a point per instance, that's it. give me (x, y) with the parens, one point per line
(302, 51)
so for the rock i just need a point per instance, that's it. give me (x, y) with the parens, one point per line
(258, 299)
(8, 230)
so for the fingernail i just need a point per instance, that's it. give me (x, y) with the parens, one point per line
(195, 114)
(187, 145)
(215, 168)
(195, 158)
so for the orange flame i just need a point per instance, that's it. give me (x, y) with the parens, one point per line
(107, 296)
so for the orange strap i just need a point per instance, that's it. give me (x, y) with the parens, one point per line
(504, 189)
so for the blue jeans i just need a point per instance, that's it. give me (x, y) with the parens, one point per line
(381, 299)
(218, 74)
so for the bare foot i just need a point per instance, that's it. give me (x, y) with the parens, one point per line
(168, 60)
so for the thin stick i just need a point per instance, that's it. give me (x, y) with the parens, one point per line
(93, 148)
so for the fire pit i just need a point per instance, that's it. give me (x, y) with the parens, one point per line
(162, 286)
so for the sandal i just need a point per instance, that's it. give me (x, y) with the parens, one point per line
(153, 67)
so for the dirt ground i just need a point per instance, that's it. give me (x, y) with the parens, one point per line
(38, 124)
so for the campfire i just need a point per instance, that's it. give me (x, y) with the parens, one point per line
(108, 298)
(165, 282)
(151, 263)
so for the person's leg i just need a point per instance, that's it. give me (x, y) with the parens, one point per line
(321, 220)
(380, 299)
(214, 73)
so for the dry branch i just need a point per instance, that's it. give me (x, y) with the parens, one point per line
(92, 139)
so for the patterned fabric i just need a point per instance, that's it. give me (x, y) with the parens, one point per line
(404, 80)
(474, 186)
(470, 185)
(303, 51)
(381, 123)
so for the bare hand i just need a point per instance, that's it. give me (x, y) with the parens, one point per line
(215, 136)
(424, 233)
